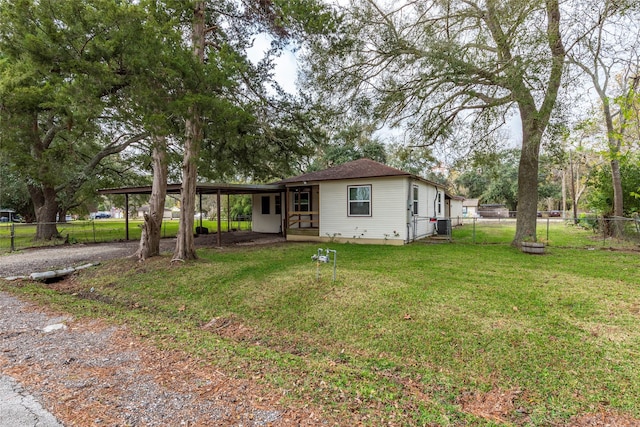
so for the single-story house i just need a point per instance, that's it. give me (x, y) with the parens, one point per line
(362, 201)
(493, 210)
(167, 214)
(470, 208)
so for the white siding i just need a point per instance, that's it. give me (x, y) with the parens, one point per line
(455, 212)
(265, 223)
(427, 209)
(389, 205)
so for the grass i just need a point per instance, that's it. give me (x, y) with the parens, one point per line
(406, 335)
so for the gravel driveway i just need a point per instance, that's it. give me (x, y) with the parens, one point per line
(28, 261)
(50, 258)
(88, 372)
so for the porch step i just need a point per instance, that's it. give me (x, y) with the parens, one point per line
(439, 239)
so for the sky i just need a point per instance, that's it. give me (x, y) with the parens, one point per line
(286, 68)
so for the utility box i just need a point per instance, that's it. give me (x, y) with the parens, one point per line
(444, 227)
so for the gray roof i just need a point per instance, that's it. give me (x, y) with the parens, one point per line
(361, 168)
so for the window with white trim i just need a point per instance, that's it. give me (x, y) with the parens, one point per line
(359, 200)
(439, 203)
(415, 200)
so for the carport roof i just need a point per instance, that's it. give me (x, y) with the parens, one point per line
(202, 188)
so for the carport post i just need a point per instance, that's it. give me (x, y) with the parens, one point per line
(200, 211)
(219, 223)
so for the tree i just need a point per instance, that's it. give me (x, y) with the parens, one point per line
(63, 67)
(600, 198)
(152, 225)
(435, 65)
(606, 55)
(349, 142)
(225, 86)
(185, 248)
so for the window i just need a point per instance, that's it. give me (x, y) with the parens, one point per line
(301, 201)
(278, 205)
(415, 200)
(439, 203)
(359, 200)
(266, 205)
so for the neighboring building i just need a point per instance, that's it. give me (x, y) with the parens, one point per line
(470, 208)
(144, 209)
(8, 215)
(361, 201)
(493, 210)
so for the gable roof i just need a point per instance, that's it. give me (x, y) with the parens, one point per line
(361, 168)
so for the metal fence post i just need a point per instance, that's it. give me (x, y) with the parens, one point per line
(548, 230)
(13, 237)
(474, 230)
(93, 225)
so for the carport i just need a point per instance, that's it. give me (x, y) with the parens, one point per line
(201, 188)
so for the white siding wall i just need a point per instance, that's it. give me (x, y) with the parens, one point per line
(265, 223)
(455, 212)
(429, 208)
(388, 210)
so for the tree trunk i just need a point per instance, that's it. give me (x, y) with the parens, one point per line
(527, 214)
(46, 209)
(616, 180)
(185, 245)
(614, 151)
(152, 226)
(534, 123)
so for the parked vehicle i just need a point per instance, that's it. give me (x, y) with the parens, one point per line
(101, 215)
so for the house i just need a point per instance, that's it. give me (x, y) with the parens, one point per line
(493, 210)
(144, 209)
(361, 202)
(470, 208)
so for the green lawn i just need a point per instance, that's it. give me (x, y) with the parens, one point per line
(410, 335)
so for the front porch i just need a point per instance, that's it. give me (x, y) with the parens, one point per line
(303, 215)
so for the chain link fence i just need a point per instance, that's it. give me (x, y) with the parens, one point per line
(16, 236)
(583, 232)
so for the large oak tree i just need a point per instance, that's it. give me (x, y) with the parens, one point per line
(435, 65)
(63, 68)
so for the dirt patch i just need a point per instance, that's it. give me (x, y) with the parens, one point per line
(496, 405)
(501, 406)
(603, 419)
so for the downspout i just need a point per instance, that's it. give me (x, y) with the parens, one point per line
(435, 210)
(409, 210)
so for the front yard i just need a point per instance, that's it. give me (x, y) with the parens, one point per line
(448, 334)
